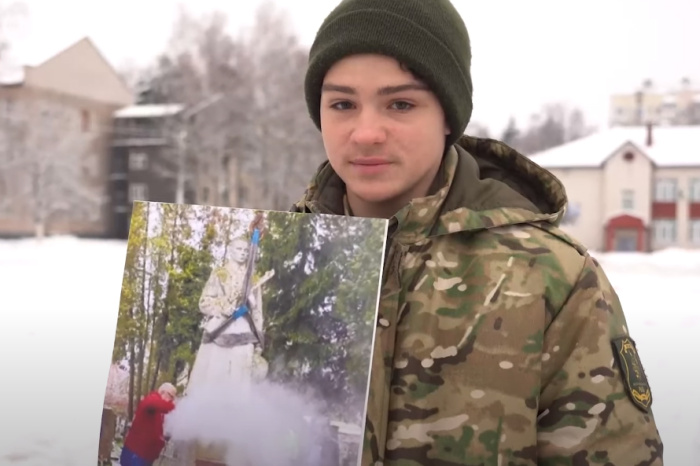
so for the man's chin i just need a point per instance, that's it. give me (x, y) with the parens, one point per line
(373, 196)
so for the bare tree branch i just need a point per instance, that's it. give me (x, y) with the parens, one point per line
(45, 165)
(12, 14)
(259, 130)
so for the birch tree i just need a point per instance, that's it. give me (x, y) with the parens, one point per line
(11, 15)
(46, 165)
(197, 70)
(256, 142)
(284, 148)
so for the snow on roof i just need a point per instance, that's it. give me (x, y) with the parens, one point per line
(149, 111)
(11, 73)
(672, 146)
(12, 77)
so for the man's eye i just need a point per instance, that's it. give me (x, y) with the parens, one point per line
(345, 105)
(402, 105)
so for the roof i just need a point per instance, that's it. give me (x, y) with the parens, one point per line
(148, 111)
(12, 72)
(672, 146)
(65, 71)
(11, 76)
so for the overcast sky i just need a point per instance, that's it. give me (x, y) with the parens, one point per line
(526, 53)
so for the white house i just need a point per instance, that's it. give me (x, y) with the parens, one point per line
(631, 188)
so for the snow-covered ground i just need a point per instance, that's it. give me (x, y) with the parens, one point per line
(58, 312)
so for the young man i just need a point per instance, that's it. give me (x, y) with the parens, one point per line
(145, 441)
(500, 341)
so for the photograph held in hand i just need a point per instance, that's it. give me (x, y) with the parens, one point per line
(243, 338)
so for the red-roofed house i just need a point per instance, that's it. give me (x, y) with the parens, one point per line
(631, 188)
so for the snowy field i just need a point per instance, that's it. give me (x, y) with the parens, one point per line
(58, 312)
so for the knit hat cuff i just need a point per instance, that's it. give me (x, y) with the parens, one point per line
(378, 34)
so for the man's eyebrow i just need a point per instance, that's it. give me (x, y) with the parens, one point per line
(336, 88)
(383, 91)
(403, 87)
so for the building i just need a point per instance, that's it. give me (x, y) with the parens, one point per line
(678, 107)
(55, 131)
(142, 160)
(147, 143)
(631, 188)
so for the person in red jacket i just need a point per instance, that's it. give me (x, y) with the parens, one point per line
(144, 441)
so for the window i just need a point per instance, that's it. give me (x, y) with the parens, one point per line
(694, 190)
(138, 192)
(665, 231)
(138, 161)
(695, 232)
(573, 212)
(119, 196)
(6, 106)
(627, 199)
(85, 120)
(665, 190)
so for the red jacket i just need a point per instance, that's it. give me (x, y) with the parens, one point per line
(145, 437)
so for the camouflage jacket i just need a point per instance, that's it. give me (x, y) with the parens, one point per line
(500, 341)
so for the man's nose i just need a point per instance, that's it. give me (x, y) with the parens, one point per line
(370, 128)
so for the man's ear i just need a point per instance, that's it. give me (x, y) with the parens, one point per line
(448, 131)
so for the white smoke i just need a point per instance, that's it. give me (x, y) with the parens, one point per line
(269, 425)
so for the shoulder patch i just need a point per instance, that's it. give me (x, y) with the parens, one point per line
(633, 376)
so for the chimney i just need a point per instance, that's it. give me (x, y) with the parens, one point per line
(650, 134)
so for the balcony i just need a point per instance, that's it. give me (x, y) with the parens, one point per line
(133, 133)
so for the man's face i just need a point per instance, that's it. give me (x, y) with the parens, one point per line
(239, 251)
(383, 131)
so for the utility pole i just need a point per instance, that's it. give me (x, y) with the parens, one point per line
(187, 118)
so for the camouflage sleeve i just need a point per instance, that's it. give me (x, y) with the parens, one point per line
(595, 405)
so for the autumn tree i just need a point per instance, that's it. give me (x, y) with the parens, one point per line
(129, 327)
(320, 308)
(171, 252)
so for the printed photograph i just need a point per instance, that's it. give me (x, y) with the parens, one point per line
(244, 338)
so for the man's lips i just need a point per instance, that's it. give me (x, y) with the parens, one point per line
(369, 162)
(370, 166)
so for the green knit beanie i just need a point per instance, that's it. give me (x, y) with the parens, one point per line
(427, 36)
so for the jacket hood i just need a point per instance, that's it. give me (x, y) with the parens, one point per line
(482, 184)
